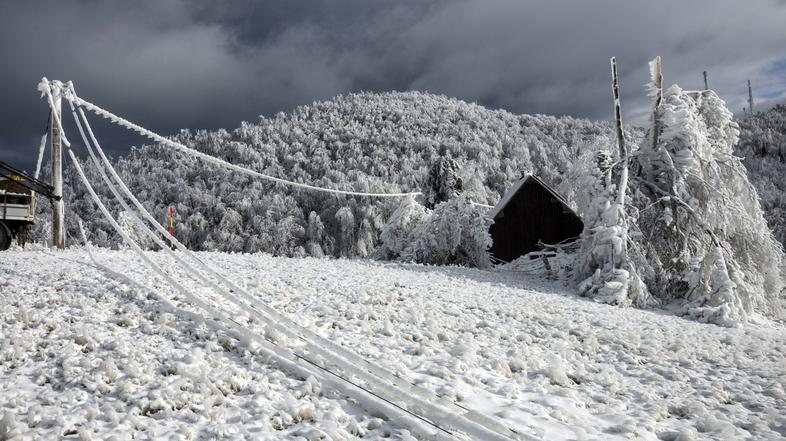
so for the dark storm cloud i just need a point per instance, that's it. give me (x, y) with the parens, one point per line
(171, 64)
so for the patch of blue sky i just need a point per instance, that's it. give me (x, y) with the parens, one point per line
(771, 84)
(777, 67)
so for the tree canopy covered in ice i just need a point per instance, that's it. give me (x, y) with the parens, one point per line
(763, 146)
(698, 235)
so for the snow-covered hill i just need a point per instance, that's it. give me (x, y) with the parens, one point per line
(365, 142)
(87, 353)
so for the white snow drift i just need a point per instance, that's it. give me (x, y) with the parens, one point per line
(90, 354)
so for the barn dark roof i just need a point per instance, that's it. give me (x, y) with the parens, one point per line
(531, 212)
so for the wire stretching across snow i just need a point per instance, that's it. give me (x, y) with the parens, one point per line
(286, 359)
(156, 137)
(377, 389)
(156, 238)
(334, 359)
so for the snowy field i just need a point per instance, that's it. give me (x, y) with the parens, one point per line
(87, 353)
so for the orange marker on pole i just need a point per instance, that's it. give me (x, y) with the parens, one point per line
(171, 227)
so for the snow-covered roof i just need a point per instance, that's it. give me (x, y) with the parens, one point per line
(507, 197)
(514, 189)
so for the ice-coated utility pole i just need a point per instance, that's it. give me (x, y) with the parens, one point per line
(617, 110)
(657, 79)
(706, 85)
(58, 224)
(750, 98)
(622, 187)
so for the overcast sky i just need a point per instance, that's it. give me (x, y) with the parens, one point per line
(171, 64)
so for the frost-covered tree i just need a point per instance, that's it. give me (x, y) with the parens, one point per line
(365, 239)
(315, 231)
(229, 231)
(695, 230)
(762, 144)
(288, 237)
(605, 267)
(442, 182)
(134, 231)
(346, 228)
(706, 238)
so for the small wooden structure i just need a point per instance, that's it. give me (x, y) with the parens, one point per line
(530, 213)
(17, 203)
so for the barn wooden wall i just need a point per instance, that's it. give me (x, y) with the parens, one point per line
(532, 214)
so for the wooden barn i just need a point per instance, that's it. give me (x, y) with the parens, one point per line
(531, 212)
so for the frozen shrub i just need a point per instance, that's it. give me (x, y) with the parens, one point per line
(398, 232)
(604, 265)
(455, 233)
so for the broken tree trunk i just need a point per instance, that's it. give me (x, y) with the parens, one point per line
(623, 182)
(657, 80)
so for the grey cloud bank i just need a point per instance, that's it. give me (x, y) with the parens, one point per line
(174, 64)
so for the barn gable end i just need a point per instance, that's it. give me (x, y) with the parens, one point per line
(530, 212)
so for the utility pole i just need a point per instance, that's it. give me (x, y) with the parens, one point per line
(622, 186)
(657, 79)
(750, 97)
(58, 224)
(617, 111)
(706, 85)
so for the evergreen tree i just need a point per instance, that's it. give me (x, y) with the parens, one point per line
(442, 182)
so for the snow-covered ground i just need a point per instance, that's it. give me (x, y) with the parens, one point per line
(91, 354)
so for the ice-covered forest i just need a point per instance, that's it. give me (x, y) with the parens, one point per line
(763, 145)
(382, 142)
(364, 142)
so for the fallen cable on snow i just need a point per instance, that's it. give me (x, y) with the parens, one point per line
(156, 238)
(380, 381)
(395, 397)
(369, 399)
(343, 363)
